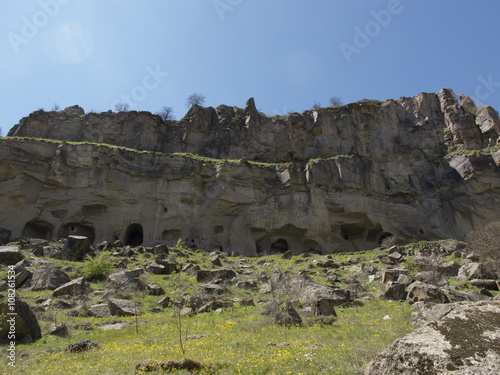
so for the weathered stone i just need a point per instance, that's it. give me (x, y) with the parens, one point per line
(169, 266)
(76, 287)
(22, 276)
(287, 315)
(154, 289)
(10, 255)
(58, 330)
(323, 306)
(99, 311)
(165, 302)
(427, 293)
(462, 341)
(123, 307)
(83, 346)
(155, 268)
(222, 274)
(26, 323)
(126, 279)
(475, 271)
(76, 247)
(212, 289)
(395, 291)
(247, 285)
(393, 274)
(48, 277)
(484, 283)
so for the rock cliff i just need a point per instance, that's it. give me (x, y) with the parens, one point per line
(333, 179)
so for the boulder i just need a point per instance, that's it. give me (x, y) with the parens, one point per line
(58, 330)
(287, 315)
(475, 271)
(76, 248)
(323, 306)
(169, 266)
(26, 324)
(484, 283)
(464, 341)
(10, 255)
(126, 279)
(82, 346)
(154, 289)
(393, 274)
(154, 268)
(76, 287)
(99, 311)
(215, 276)
(427, 293)
(212, 289)
(395, 291)
(122, 307)
(247, 285)
(22, 276)
(48, 277)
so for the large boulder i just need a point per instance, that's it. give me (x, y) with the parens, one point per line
(475, 271)
(421, 292)
(10, 255)
(126, 279)
(76, 287)
(99, 311)
(463, 341)
(323, 306)
(123, 307)
(27, 328)
(48, 277)
(215, 276)
(76, 248)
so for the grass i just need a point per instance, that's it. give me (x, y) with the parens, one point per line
(235, 342)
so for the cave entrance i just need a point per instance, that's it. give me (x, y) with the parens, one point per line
(279, 246)
(134, 236)
(38, 229)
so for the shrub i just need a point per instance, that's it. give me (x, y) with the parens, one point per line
(97, 268)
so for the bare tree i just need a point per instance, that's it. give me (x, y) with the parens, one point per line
(335, 100)
(195, 99)
(122, 107)
(56, 107)
(316, 105)
(167, 113)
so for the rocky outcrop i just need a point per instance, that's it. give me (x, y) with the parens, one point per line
(465, 340)
(26, 329)
(331, 179)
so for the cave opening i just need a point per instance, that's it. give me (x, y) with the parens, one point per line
(134, 236)
(38, 229)
(280, 246)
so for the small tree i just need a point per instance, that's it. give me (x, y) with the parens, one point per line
(335, 100)
(195, 99)
(316, 105)
(56, 107)
(122, 107)
(167, 113)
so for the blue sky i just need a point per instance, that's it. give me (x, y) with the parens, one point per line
(287, 54)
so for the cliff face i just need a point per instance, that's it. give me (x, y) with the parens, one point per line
(332, 179)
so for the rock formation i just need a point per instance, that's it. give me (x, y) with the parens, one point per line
(331, 179)
(465, 340)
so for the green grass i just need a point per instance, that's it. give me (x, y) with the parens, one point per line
(235, 342)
